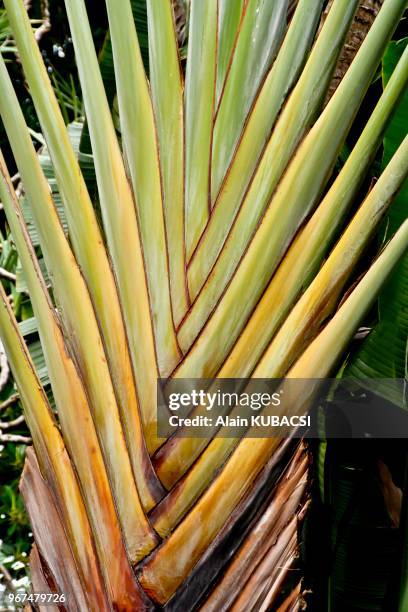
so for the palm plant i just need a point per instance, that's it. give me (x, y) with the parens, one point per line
(215, 257)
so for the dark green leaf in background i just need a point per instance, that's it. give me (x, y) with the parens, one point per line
(383, 353)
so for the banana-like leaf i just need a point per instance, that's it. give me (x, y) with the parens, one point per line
(258, 40)
(199, 113)
(21, 285)
(384, 353)
(297, 194)
(166, 81)
(28, 326)
(38, 359)
(139, 10)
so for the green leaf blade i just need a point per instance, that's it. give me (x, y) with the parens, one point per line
(199, 112)
(166, 83)
(120, 221)
(258, 40)
(140, 146)
(229, 17)
(235, 207)
(384, 353)
(297, 194)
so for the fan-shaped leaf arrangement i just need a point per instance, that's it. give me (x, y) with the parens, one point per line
(215, 257)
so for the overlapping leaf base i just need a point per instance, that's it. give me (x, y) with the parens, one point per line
(257, 547)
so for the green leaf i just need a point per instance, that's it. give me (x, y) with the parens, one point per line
(139, 10)
(199, 109)
(121, 223)
(229, 17)
(142, 155)
(21, 284)
(105, 59)
(259, 37)
(383, 354)
(297, 195)
(29, 326)
(166, 82)
(70, 290)
(274, 354)
(240, 208)
(37, 355)
(160, 574)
